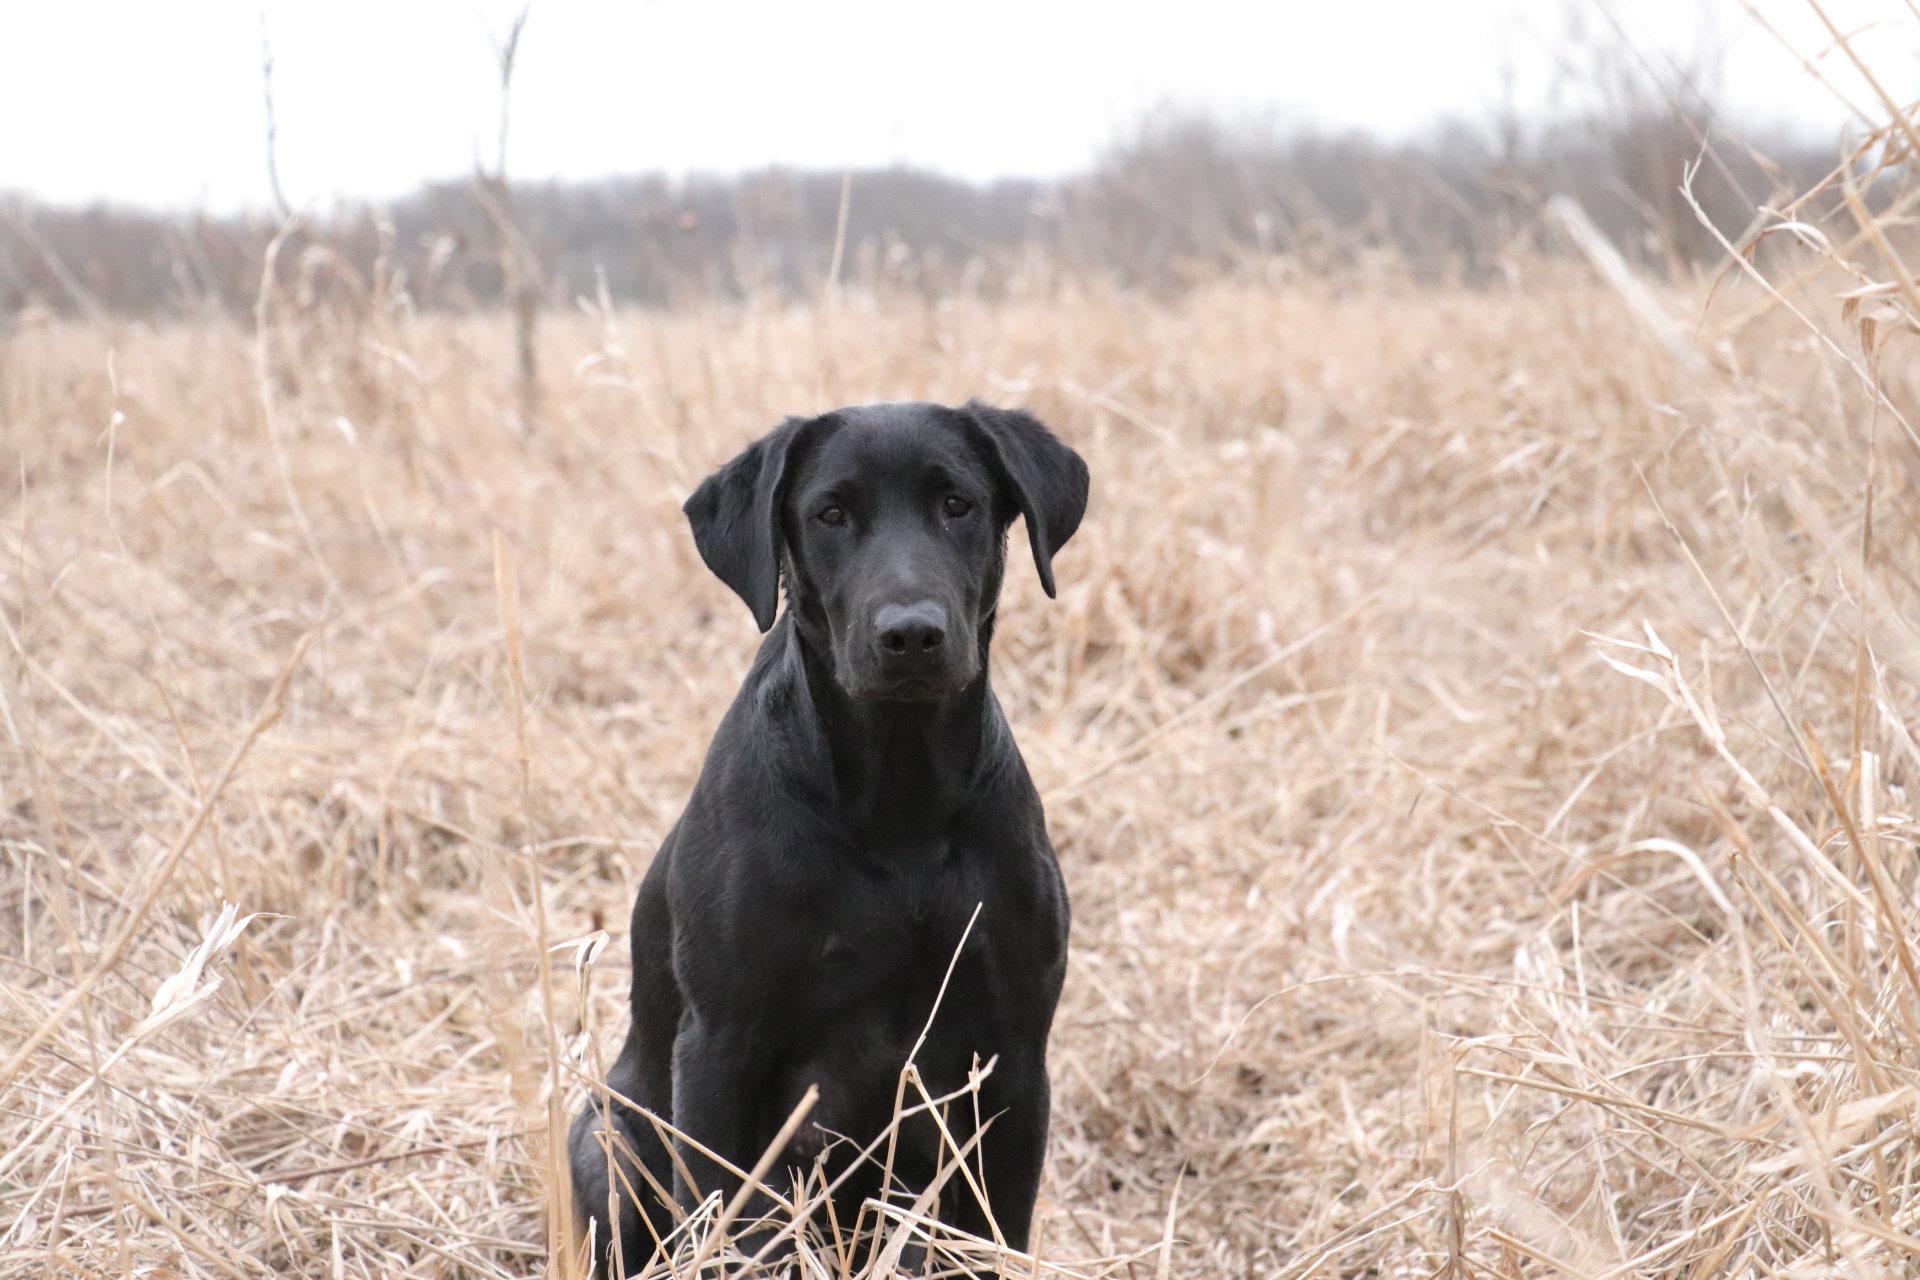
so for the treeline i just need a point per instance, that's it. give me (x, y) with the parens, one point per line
(1187, 197)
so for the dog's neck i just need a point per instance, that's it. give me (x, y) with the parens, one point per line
(902, 771)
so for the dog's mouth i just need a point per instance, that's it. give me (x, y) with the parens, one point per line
(919, 686)
(879, 680)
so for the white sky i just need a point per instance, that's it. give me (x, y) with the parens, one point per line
(158, 103)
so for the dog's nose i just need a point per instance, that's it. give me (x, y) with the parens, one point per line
(907, 629)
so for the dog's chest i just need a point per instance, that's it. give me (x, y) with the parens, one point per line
(897, 921)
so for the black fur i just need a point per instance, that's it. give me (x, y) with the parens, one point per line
(862, 796)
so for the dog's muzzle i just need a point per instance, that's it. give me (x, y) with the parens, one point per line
(912, 653)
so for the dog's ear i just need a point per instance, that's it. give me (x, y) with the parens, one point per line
(735, 514)
(1048, 480)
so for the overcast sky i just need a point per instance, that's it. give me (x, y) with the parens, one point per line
(156, 103)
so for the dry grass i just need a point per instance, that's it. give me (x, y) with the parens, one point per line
(1416, 935)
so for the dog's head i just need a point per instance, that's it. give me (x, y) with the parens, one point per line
(889, 522)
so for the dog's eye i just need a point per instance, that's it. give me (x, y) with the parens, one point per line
(833, 516)
(957, 507)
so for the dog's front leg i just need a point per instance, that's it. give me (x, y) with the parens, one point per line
(1012, 1154)
(719, 1075)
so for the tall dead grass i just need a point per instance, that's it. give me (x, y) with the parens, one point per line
(1410, 936)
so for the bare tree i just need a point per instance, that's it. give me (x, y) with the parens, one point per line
(273, 128)
(519, 270)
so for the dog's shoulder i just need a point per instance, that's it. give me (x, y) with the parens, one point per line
(769, 728)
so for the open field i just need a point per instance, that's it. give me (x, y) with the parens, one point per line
(1414, 933)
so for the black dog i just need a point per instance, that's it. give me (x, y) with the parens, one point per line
(862, 797)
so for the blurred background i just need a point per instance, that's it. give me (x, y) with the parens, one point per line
(668, 149)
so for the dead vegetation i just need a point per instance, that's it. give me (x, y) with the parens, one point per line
(1411, 936)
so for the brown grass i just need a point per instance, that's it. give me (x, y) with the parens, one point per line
(1419, 938)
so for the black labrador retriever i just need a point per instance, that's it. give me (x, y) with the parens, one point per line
(862, 798)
